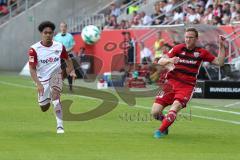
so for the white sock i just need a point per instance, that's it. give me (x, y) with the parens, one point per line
(58, 112)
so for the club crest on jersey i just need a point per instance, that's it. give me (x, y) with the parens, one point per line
(57, 52)
(31, 58)
(196, 54)
(161, 94)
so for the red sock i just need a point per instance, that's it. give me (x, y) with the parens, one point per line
(168, 120)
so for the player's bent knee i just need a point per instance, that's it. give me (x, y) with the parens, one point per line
(45, 107)
(156, 110)
(55, 94)
(56, 104)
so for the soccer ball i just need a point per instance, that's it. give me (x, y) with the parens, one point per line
(90, 34)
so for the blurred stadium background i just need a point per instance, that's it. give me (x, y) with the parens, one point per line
(207, 129)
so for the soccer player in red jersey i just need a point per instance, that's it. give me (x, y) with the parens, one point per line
(45, 68)
(184, 61)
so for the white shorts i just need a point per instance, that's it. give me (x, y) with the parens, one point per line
(55, 82)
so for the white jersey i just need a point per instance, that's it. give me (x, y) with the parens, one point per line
(47, 60)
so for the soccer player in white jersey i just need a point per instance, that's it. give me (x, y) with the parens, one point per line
(45, 68)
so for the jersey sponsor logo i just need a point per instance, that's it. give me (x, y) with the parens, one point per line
(183, 53)
(196, 54)
(187, 61)
(49, 60)
(31, 59)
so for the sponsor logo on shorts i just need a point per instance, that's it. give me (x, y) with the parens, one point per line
(161, 94)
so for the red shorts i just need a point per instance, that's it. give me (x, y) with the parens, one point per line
(174, 90)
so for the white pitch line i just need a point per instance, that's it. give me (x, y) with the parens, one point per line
(217, 119)
(218, 110)
(232, 104)
(202, 117)
(16, 85)
(138, 106)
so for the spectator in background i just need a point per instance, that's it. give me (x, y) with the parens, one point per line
(226, 8)
(162, 5)
(217, 10)
(158, 45)
(168, 7)
(237, 4)
(145, 54)
(226, 13)
(233, 12)
(208, 15)
(237, 17)
(123, 24)
(216, 21)
(145, 19)
(136, 19)
(111, 22)
(115, 11)
(158, 17)
(192, 17)
(67, 40)
(226, 19)
(129, 46)
(178, 16)
(133, 8)
(84, 61)
(209, 2)
(200, 9)
(165, 8)
(3, 7)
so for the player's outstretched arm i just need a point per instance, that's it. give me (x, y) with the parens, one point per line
(221, 56)
(33, 73)
(166, 60)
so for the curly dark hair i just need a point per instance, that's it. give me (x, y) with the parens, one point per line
(46, 24)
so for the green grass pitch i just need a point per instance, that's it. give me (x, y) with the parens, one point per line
(210, 133)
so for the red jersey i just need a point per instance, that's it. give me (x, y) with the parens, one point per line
(186, 70)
